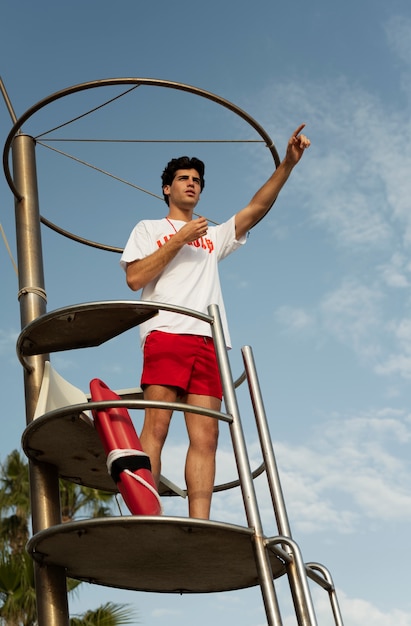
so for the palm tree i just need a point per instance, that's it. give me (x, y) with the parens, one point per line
(17, 592)
(106, 615)
(14, 504)
(91, 502)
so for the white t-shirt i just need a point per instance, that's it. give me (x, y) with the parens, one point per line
(190, 280)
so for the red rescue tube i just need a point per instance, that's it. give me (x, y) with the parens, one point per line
(127, 463)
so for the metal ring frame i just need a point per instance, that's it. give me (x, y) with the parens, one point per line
(112, 82)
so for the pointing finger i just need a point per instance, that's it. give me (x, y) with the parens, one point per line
(298, 130)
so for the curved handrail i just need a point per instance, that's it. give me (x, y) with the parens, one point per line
(78, 409)
(70, 313)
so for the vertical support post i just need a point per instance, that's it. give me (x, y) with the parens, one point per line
(295, 569)
(246, 481)
(273, 478)
(51, 594)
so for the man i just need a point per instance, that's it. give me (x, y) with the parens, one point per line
(174, 260)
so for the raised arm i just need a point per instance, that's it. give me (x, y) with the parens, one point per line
(265, 197)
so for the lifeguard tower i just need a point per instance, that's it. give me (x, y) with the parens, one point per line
(176, 554)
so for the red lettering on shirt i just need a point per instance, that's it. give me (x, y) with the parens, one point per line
(203, 242)
(165, 239)
(210, 245)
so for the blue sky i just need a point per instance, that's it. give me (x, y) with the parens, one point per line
(321, 291)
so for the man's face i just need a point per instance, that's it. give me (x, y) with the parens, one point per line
(185, 189)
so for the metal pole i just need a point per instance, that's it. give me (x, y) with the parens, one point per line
(266, 444)
(243, 465)
(299, 583)
(51, 594)
(7, 101)
(296, 572)
(331, 590)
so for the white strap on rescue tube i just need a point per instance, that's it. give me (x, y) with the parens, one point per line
(122, 452)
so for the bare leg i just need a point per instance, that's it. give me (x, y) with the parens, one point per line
(156, 425)
(200, 462)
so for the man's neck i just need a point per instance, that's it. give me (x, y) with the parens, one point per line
(184, 215)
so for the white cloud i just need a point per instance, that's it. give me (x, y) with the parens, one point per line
(394, 272)
(351, 314)
(156, 613)
(8, 340)
(395, 364)
(354, 186)
(352, 469)
(402, 332)
(359, 457)
(354, 611)
(399, 362)
(357, 315)
(343, 179)
(357, 612)
(398, 32)
(293, 319)
(354, 182)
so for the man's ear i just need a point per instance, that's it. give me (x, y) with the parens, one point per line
(166, 190)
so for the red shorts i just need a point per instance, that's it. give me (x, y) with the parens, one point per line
(187, 362)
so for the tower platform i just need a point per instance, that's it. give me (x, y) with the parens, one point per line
(158, 554)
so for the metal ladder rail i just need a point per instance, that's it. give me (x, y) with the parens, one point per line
(298, 572)
(263, 566)
(326, 581)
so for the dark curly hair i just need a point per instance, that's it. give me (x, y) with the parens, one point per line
(181, 163)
